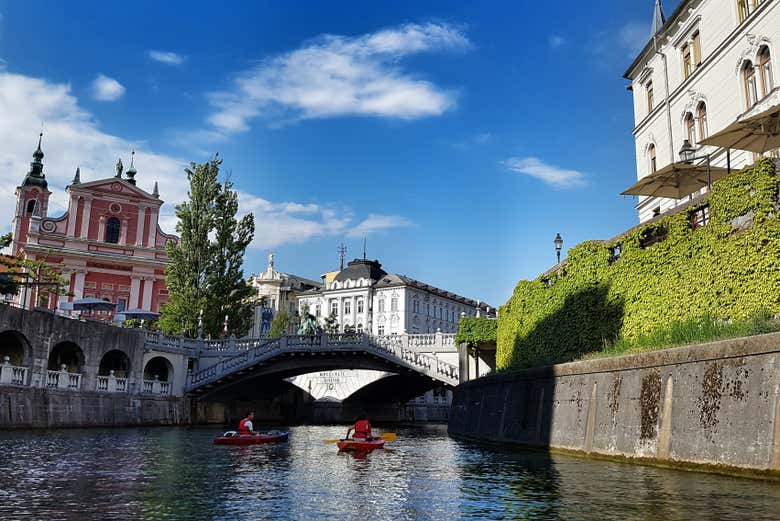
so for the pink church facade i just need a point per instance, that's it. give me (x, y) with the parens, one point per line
(108, 242)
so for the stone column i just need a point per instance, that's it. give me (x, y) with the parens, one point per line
(135, 290)
(102, 228)
(463, 363)
(148, 285)
(123, 233)
(354, 312)
(151, 233)
(78, 284)
(139, 229)
(73, 209)
(86, 214)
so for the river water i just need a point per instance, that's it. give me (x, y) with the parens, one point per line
(176, 473)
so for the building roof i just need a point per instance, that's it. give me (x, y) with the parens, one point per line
(395, 280)
(361, 269)
(665, 24)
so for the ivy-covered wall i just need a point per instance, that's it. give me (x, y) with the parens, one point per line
(729, 269)
(475, 331)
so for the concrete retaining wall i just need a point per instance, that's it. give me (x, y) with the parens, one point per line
(25, 407)
(715, 405)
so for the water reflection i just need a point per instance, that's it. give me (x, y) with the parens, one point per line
(174, 473)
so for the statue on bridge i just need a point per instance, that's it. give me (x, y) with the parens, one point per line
(308, 325)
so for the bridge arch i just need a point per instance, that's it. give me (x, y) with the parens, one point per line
(117, 361)
(158, 368)
(66, 353)
(16, 347)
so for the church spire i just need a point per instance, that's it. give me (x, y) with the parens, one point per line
(132, 171)
(156, 191)
(35, 176)
(658, 19)
(77, 177)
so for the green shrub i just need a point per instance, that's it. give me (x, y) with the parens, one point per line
(724, 271)
(474, 331)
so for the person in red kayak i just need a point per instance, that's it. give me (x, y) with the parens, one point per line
(245, 427)
(362, 429)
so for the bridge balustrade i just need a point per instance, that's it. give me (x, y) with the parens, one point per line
(12, 374)
(62, 379)
(157, 387)
(111, 384)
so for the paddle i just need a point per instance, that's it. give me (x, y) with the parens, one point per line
(387, 436)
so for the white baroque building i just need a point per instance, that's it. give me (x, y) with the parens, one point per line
(364, 297)
(708, 63)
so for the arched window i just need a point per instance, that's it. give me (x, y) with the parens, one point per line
(690, 128)
(31, 206)
(749, 79)
(765, 71)
(651, 156)
(112, 230)
(701, 116)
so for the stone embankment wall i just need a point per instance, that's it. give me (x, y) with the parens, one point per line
(713, 406)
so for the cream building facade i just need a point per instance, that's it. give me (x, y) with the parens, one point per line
(364, 297)
(704, 66)
(275, 292)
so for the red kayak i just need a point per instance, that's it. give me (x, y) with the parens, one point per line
(359, 445)
(233, 438)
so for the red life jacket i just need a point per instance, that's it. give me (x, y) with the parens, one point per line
(242, 428)
(362, 429)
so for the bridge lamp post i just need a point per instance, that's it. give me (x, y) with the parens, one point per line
(558, 242)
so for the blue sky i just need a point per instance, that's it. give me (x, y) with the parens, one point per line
(458, 137)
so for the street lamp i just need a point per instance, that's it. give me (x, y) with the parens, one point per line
(558, 245)
(688, 156)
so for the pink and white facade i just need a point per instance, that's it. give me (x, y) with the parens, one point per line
(108, 242)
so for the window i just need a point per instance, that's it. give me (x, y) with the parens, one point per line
(649, 89)
(360, 305)
(31, 205)
(360, 328)
(765, 71)
(700, 217)
(696, 44)
(749, 78)
(743, 10)
(701, 116)
(347, 307)
(690, 128)
(112, 230)
(687, 60)
(121, 305)
(381, 305)
(381, 330)
(651, 155)
(394, 304)
(334, 307)
(318, 310)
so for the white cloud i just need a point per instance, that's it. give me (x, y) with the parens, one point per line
(72, 138)
(339, 76)
(167, 57)
(552, 175)
(375, 223)
(633, 36)
(556, 41)
(106, 89)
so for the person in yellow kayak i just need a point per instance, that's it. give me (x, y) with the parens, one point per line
(361, 429)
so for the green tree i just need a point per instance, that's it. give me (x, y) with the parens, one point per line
(279, 325)
(332, 324)
(45, 278)
(8, 286)
(205, 270)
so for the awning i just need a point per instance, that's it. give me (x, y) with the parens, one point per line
(757, 130)
(676, 181)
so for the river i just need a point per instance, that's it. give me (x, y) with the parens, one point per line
(176, 473)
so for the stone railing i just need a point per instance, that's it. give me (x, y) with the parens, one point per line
(111, 384)
(157, 386)
(393, 348)
(12, 374)
(62, 379)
